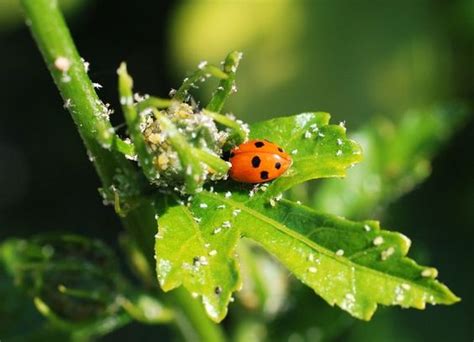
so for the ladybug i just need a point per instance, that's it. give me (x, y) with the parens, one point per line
(258, 161)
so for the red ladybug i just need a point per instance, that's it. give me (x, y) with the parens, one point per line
(258, 161)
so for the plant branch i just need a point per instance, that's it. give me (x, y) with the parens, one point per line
(90, 115)
(227, 85)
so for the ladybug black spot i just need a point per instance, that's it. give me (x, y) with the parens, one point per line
(256, 162)
(280, 149)
(277, 165)
(232, 154)
(264, 175)
(259, 144)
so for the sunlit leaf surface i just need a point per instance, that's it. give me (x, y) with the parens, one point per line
(354, 265)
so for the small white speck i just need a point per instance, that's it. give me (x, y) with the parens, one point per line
(339, 153)
(367, 227)
(387, 253)
(62, 63)
(203, 261)
(226, 224)
(350, 297)
(203, 205)
(86, 65)
(340, 252)
(378, 241)
(197, 219)
(342, 124)
(97, 85)
(339, 141)
(298, 202)
(272, 202)
(194, 294)
(228, 194)
(213, 252)
(67, 104)
(406, 286)
(202, 65)
(321, 135)
(65, 78)
(311, 257)
(231, 299)
(236, 212)
(221, 206)
(307, 135)
(217, 230)
(399, 297)
(429, 273)
(312, 269)
(294, 152)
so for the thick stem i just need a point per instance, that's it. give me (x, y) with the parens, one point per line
(69, 73)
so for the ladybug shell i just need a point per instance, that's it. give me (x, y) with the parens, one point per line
(258, 161)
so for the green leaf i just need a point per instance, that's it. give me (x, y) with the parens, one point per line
(353, 265)
(319, 150)
(397, 157)
(192, 254)
(205, 233)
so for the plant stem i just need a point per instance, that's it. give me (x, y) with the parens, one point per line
(69, 73)
(132, 117)
(227, 85)
(196, 76)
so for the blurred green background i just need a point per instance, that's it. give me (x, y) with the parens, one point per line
(397, 72)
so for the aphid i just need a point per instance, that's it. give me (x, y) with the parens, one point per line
(258, 161)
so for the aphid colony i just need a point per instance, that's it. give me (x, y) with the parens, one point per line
(200, 132)
(254, 161)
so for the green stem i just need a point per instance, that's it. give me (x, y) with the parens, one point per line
(153, 102)
(191, 81)
(214, 162)
(133, 123)
(59, 52)
(227, 85)
(228, 122)
(65, 65)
